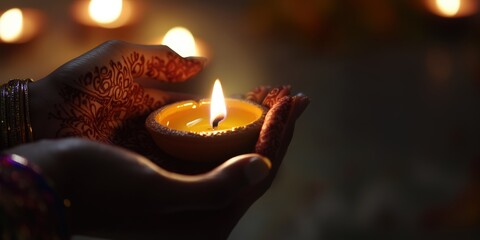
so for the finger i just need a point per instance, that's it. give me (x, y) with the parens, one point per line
(258, 94)
(158, 62)
(218, 187)
(275, 95)
(277, 130)
(202, 60)
(272, 130)
(162, 63)
(268, 96)
(299, 104)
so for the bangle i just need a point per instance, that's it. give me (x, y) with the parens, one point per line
(29, 207)
(15, 125)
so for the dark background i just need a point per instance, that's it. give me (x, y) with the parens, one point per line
(389, 146)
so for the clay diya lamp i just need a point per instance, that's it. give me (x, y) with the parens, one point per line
(209, 130)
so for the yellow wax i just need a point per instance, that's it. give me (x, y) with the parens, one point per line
(194, 116)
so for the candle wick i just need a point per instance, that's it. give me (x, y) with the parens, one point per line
(217, 120)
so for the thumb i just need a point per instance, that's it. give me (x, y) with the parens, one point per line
(220, 186)
(244, 170)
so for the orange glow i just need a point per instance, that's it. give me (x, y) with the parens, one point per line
(452, 8)
(11, 25)
(181, 40)
(20, 25)
(218, 108)
(448, 7)
(105, 11)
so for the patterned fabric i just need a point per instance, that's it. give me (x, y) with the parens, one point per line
(29, 208)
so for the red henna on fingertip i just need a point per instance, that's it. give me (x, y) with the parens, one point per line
(174, 68)
(275, 95)
(300, 103)
(271, 134)
(258, 94)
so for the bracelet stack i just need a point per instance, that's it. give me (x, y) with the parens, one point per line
(15, 126)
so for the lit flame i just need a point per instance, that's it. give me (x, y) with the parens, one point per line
(181, 40)
(105, 11)
(11, 25)
(448, 7)
(218, 109)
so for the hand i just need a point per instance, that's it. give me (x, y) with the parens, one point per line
(99, 95)
(275, 136)
(120, 194)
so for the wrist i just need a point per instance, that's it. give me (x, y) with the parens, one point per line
(39, 97)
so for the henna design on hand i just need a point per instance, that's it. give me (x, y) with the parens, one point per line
(107, 104)
(258, 94)
(279, 122)
(271, 134)
(275, 95)
(173, 69)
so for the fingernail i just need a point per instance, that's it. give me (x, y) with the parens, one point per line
(202, 60)
(257, 169)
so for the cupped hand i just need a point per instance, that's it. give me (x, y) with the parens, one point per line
(116, 193)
